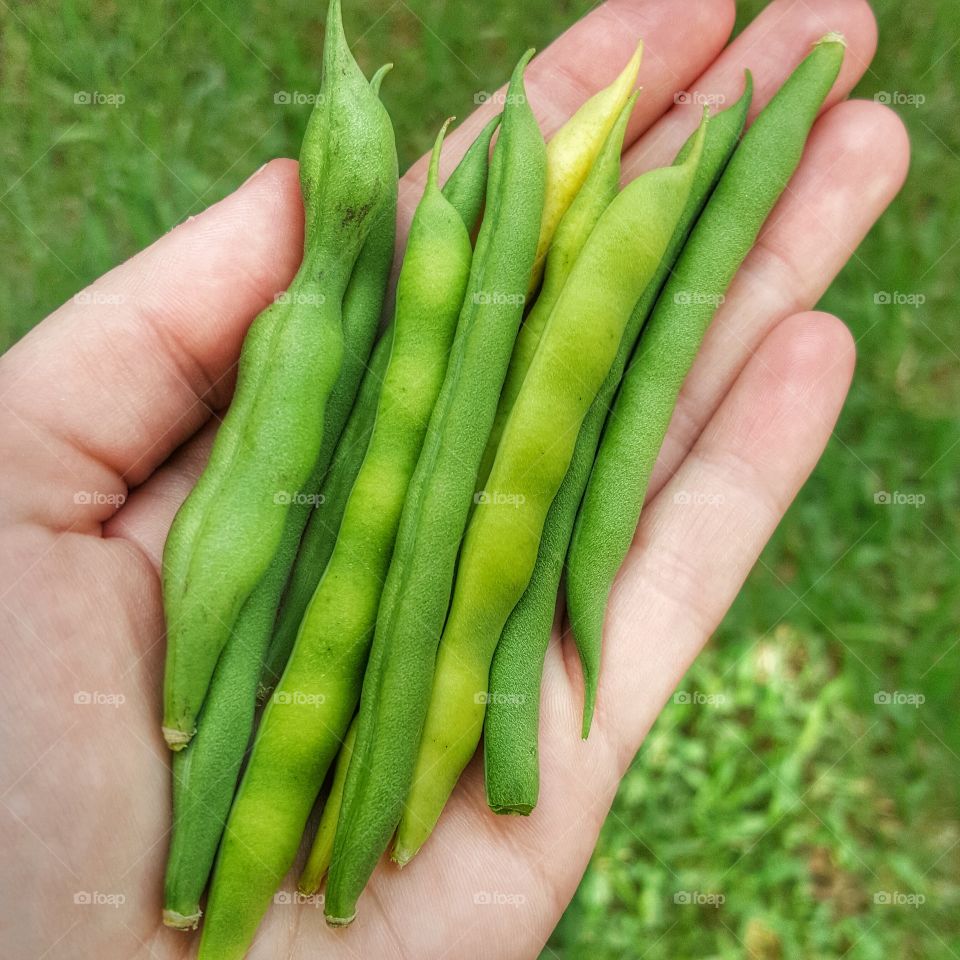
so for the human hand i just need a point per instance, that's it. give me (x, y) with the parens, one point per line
(101, 396)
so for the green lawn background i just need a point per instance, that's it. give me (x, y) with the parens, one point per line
(780, 785)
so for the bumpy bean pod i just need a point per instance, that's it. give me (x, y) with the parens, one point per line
(305, 721)
(571, 153)
(228, 529)
(500, 547)
(595, 195)
(757, 174)
(324, 522)
(322, 850)
(396, 686)
(465, 189)
(511, 725)
(205, 772)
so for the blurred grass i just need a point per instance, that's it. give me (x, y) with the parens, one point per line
(774, 781)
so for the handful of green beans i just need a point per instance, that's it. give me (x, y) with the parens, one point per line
(500, 430)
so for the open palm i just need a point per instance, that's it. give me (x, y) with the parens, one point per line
(109, 409)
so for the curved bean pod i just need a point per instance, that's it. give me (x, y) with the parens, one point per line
(500, 547)
(595, 195)
(757, 174)
(466, 186)
(227, 531)
(321, 532)
(511, 725)
(397, 682)
(464, 189)
(306, 719)
(571, 153)
(205, 772)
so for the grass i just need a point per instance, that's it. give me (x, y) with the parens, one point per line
(775, 794)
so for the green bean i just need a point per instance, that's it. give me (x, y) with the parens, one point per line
(511, 725)
(500, 547)
(464, 189)
(229, 528)
(322, 850)
(594, 197)
(571, 153)
(756, 176)
(306, 719)
(321, 532)
(466, 186)
(205, 772)
(397, 682)
(377, 79)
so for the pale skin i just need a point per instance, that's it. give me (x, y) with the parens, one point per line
(112, 399)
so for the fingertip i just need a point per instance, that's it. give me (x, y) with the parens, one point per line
(870, 128)
(808, 349)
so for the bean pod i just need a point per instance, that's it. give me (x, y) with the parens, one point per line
(322, 850)
(396, 686)
(511, 726)
(306, 720)
(572, 151)
(757, 174)
(499, 551)
(464, 189)
(594, 197)
(205, 772)
(467, 185)
(230, 526)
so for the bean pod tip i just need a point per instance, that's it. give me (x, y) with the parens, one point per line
(180, 921)
(832, 37)
(377, 79)
(176, 738)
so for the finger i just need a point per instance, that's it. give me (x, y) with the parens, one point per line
(149, 509)
(589, 56)
(757, 451)
(107, 388)
(770, 47)
(855, 162)
(701, 535)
